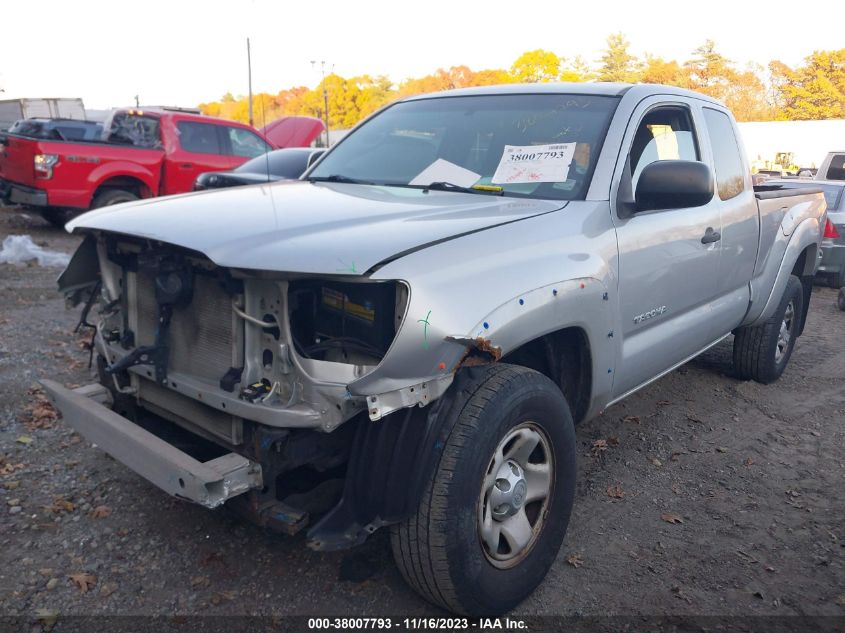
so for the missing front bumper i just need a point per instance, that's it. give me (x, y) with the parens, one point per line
(209, 484)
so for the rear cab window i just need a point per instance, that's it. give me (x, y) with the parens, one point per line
(727, 161)
(128, 127)
(836, 169)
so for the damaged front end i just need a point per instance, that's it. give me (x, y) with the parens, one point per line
(253, 373)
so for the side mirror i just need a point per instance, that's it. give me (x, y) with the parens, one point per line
(673, 184)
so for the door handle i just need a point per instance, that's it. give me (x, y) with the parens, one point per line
(711, 236)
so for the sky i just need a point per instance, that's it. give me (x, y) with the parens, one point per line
(184, 52)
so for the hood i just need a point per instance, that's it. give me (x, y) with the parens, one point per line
(293, 131)
(298, 226)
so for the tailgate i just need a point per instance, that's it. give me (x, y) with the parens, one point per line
(16, 160)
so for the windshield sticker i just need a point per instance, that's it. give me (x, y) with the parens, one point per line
(444, 171)
(534, 163)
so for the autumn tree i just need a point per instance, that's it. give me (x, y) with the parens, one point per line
(709, 71)
(536, 66)
(745, 95)
(617, 64)
(656, 70)
(815, 90)
(576, 69)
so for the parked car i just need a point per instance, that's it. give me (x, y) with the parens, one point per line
(418, 322)
(832, 167)
(281, 164)
(142, 153)
(832, 265)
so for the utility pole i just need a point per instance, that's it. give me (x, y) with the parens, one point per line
(137, 103)
(249, 72)
(325, 96)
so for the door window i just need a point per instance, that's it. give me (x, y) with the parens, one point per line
(245, 143)
(663, 134)
(200, 138)
(730, 176)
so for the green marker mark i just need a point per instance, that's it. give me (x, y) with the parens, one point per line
(425, 323)
(347, 269)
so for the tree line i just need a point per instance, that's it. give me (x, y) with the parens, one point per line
(813, 90)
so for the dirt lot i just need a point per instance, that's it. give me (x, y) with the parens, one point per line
(699, 495)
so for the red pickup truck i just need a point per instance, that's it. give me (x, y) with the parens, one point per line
(143, 153)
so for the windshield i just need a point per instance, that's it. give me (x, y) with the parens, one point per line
(539, 146)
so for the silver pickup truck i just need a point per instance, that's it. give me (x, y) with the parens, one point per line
(407, 335)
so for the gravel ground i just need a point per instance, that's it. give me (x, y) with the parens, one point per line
(701, 494)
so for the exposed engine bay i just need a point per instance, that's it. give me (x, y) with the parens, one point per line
(180, 334)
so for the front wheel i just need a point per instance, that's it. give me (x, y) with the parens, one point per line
(840, 299)
(494, 513)
(762, 352)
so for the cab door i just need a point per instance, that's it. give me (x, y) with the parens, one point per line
(668, 258)
(199, 147)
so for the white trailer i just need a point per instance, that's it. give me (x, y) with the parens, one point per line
(12, 110)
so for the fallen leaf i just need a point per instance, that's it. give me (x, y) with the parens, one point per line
(656, 461)
(671, 518)
(770, 568)
(108, 589)
(676, 455)
(613, 441)
(24, 439)
(217, 598)
(47, 617)
(84, 581)
(599, 447)
(40, 414)
(616, 492)
(11, 485)
(841, 600)
(662, 403)
(200, 581)
(575, 560)
(722, 449)
(631, 418)
(101, 512)
(60, 504)
(9, 468)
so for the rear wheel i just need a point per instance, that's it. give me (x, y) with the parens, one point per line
(109, 197)
(495, 511)
(840, 299)
(836, 280)
(762, 352)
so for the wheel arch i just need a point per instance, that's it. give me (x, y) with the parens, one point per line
(126, 182)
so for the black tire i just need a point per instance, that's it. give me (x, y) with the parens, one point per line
(840, 299)
(836, 280)
(439, 549)
(109, 197)
(59, 217)
(759, 353)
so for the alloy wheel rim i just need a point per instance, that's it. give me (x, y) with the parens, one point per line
(785, 332)
(515, 495)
